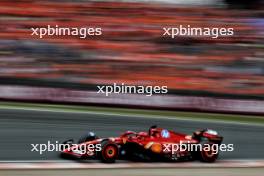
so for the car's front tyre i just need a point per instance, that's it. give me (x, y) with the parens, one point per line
(109, 152)
(209, 153)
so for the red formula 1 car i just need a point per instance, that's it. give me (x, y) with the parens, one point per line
(157, 144)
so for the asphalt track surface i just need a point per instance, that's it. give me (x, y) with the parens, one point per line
(21, 128)
(140, 172)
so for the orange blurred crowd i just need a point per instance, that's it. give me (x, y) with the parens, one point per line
(132, 49)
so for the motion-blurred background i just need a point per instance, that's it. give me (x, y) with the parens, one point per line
(199, 72)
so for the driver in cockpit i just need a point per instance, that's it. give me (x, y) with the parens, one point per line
(153, 132)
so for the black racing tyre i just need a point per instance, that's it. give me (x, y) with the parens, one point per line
(208, 153)
(66, 144)
(109, 152)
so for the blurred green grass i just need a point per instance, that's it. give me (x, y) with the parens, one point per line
(137, 112)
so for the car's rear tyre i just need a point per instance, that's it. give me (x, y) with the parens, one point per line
(109, 152)
(66, 144)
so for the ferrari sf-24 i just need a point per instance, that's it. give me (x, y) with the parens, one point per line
(157, 144)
